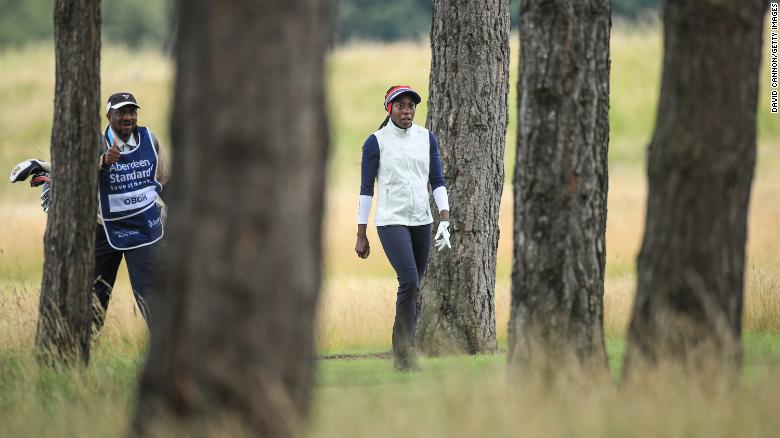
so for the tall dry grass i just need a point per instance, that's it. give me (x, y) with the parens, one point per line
(357, 307)
(358, 293)
(470, 404)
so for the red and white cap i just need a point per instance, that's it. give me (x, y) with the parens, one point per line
(397, 91)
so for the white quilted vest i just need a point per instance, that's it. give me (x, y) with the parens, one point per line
(404, 164)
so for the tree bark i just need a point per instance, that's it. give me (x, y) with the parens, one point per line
(233, 346)
(701, 159)
(467, 111)
(63, 333)
(560, 186)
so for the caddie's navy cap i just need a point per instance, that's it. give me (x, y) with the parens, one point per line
(118, 100)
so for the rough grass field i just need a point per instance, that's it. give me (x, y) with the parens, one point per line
(452, 396)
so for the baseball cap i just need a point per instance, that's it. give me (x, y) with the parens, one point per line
(395, 92)
(118, 100)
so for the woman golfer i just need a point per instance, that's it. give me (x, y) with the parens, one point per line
(404, 160)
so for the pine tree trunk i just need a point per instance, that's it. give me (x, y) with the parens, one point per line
(467, 111)
(233, 341)
(63, 333)
(560, 186)
(700, 166)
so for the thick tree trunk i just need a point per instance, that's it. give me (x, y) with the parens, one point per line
(560, 186)
(467, 111)
(63, 332)
(700, 166)
(234, 344)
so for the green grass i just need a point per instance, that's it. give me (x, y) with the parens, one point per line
(456, 395)
(371, 374)
(761, 350)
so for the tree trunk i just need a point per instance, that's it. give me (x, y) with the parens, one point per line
(63, 333)
(234, 347)
(467, 111)
(690, 269)
(560, 186)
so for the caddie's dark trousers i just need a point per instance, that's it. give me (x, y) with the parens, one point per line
(142, 266)
(407, 248)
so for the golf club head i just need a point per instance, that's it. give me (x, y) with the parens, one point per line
(39, 179)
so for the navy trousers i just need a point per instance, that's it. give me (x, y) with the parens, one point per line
(142, 266)
(407, 248)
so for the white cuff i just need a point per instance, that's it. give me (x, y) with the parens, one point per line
(440, 196)
(364, 209)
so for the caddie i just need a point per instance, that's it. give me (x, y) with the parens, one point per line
(130, 217)
(131, 213)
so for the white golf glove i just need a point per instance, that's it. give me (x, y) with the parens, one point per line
(442, 237)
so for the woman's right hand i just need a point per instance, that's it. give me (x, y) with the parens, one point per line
(362, 248)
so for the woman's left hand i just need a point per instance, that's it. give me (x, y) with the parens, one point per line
(442, 237)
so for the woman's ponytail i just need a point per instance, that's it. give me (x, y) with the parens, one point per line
(387, 119)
